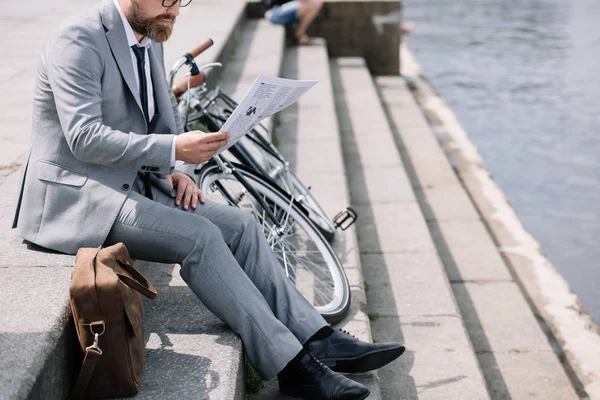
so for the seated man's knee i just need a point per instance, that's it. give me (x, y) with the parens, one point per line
(237, 219)
(208, 233)
(247, 220)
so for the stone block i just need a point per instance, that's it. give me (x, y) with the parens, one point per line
(407, 284)
(364, 29)
(393, 228)
(473, 185)
(377, 150)
(409, 121)
(438, 364)
(498, 318)
(379, 185)
(534, 375)
(445, 203)
(33, 342)
(371, 123)
(501, 232)
(429, 170)
(316, 123)
(314, 156)
(468, 251)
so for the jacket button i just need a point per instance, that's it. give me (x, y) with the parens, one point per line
(125, 187)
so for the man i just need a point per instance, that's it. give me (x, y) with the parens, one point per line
(106, 136)
(300, 13)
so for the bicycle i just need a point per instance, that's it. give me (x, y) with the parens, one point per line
(307, 258)
(256, 152)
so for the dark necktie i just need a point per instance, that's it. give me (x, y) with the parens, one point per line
(140, 55)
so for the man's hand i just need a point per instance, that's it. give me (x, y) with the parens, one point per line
(198, 147)
(186, 190)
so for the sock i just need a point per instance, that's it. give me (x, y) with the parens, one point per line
(321, 334)
(295, 360)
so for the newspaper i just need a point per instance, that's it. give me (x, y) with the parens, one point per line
(267, 96)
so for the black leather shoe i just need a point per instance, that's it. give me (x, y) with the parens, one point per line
(343, 352)
(311, 380)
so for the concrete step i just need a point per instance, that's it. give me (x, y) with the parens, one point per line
(409, 295)
(513, 351)
(38, 346)
(309, 138)
(39, 354)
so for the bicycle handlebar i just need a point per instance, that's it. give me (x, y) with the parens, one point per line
(201, 47)
(182, 85)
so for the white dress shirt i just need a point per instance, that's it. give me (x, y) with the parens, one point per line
(146, 42)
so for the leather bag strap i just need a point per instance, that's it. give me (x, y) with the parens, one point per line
(87, 369)
(139, 282)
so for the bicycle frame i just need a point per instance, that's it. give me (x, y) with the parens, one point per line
(228, 169)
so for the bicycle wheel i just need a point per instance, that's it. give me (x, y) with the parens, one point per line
(254, 149)
(307, 258)
(279, 171)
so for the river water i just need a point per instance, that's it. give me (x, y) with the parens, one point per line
(523, 76)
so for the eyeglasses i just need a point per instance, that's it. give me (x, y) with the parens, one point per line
(171, 3)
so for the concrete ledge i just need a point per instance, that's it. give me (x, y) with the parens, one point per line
(36, 346)
(357, 28)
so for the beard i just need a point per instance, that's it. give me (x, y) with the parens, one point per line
(154, 28)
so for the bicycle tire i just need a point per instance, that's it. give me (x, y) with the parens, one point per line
(309, 261)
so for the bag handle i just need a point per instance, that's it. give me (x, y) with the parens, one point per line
(139, 282)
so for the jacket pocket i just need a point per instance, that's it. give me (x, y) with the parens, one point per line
(50, 172)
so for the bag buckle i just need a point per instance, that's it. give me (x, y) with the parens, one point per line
(345, 219)
(94, 346)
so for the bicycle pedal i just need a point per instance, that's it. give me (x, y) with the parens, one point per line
(345, 219)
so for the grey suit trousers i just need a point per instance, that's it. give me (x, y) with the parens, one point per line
(227, 262)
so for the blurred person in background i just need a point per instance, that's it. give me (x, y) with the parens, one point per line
(296, 13)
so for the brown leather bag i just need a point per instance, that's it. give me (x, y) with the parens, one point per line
(109, 313)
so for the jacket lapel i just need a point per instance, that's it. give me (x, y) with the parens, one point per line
(117, 39)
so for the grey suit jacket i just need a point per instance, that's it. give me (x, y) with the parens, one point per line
(89, 136)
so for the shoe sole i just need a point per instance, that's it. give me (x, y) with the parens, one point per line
(367, 362)
(298, 395)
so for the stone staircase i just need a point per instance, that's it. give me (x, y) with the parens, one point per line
(356, 141)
